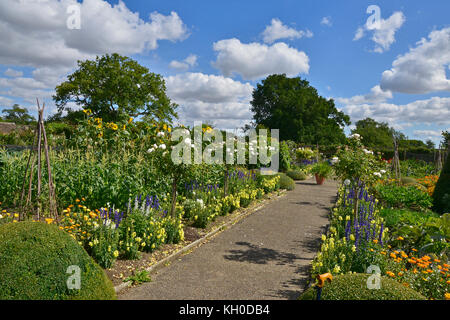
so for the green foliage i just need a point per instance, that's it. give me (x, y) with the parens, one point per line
(426, 232)
(354, 287)
(441, 195)
(35, 259)
(104, 245)
(122, 88)
(408, 180)
(410, 196)
(417, 168)
(294, 106)
(374, 134)
(285, 157)
(286, 182)
(297, 174)
(356, 163)
(305, 154)
(322, 169)
(139, 277)
(18, 115)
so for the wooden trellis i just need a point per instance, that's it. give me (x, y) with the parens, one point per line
(40, 144)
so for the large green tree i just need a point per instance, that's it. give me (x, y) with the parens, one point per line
(295, 107)
(114, 87)
(18, 115)
(376, 134)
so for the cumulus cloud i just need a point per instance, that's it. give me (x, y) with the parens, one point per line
(277, 30)
(376, 95)
(326, 21)
(36, 34)
(205, 97)
(253, 60)
(13, 73)
(189, 62)
(384, 32)
(423, 68)
(435, 110)
(429, 134)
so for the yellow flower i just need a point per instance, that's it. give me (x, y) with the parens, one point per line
(49, 220)
(130, 120)
(116, 254)
(447, 296)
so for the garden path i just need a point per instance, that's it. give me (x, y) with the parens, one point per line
(267, 255)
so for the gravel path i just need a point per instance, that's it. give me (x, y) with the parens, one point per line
(267, 255)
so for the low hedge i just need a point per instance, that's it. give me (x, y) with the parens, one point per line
(296, 175)
(354, 287)
(34, 262)
(286, 182)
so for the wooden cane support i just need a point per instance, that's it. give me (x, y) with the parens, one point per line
(40, 142)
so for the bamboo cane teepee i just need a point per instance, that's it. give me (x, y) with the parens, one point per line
(40, 144)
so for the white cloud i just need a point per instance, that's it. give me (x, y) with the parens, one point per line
(205, 97)
(384, 34)
(277, 30)
(13, 73)
(435, 110)
(422, 69)
(429, 134)
(184, 65)
(35, 34)
(253, 61)
(326, 21)
(376, 95)
(5, 102)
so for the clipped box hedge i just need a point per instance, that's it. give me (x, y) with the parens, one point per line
(34, 261)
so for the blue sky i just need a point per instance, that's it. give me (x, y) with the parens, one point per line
(383, 73)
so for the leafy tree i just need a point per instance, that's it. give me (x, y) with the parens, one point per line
(294, 107)
(114, 87)
(430, 144)
(18, 115)
(374, 134)
(446, 138)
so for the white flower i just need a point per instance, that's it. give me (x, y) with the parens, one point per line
(150, 150)
(383, 171)
(377, 174)
(160, 134)
(201, 202)
(334, 160)
(347, 182)
(355, 136)
(162, 146)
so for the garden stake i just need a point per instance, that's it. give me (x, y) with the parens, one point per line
(40, 137)
(322, 278)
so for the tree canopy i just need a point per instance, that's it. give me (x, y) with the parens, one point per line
(295, 107)
(18, 115)
(376, 134)
(114, 87)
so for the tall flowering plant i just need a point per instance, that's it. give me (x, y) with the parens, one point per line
(357, 167)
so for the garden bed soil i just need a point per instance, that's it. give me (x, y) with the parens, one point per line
(124, 268)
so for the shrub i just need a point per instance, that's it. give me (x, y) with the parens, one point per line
(35, 259)
(441, 194)
(286, 182)
(296, 175)
(354, 287)
(285, 156)
(404, 196)
(322, 169)
(408, 180)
